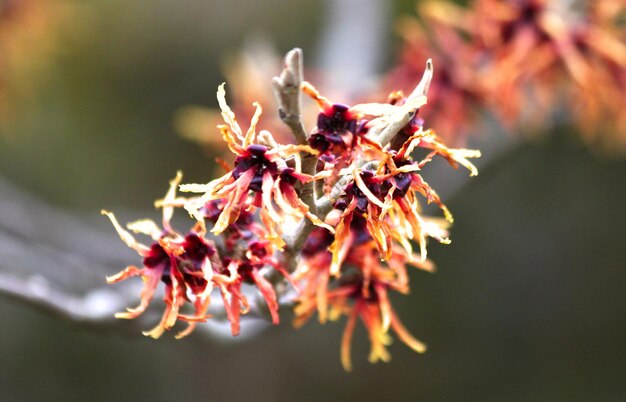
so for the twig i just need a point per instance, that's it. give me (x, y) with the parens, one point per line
(325, 203)
(287, 92)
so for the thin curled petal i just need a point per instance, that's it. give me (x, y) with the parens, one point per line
(346, 341)
(227, 113)
(363, 187)
(404, 334)
(251, 133)
(147, 293)
(269, 295)
(170, 196)
(145, 226)
(129, 272)
(290, 149)
(125, 236)
(310, 90)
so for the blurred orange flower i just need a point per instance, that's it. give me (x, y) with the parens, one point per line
(525, 61)
(29, 35)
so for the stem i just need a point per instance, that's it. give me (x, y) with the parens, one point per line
(287, 92)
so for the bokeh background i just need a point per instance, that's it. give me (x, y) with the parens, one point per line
(527, 304)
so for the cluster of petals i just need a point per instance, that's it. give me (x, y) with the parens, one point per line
(262, 186)
(383, 183)
(182, 263)
(190, 266)
(367, 188)
(247, 254)
(362, 292)
(376, 216)
(261, 173)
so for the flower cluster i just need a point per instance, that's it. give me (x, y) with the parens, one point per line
(182, 263)
(342, 250)
(190, 266)
(376, 216)
(525, 60)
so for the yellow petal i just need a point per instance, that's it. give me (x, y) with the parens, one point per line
(125, 236)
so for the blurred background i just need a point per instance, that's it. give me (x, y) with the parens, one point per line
(528, 301)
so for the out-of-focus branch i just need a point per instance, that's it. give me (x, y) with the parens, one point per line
(94, 308)
(51, 260)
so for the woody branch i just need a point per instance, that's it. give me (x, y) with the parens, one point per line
(286, 88)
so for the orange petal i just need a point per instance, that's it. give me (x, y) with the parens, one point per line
(268, 293)
(147, 293)
(404, 335)
(250, 134)
(130, 271)
(310, 90)
(170, 196)
(227, 113)
(385, 306)
(342, 231)
(125, 236)
(346, 340)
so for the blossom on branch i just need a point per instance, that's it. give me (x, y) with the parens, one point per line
(343, 247)
(181, 263)
(361, 292)
(259, 169)
(247, 270)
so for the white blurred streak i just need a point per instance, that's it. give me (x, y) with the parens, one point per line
(352, 44)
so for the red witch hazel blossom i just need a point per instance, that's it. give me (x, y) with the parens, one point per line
(181, 263)
(343, 245)
(261, 170)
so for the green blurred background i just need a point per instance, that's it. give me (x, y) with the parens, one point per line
(527, 304)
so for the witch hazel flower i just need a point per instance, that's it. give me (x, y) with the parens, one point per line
(190, 267)
(341, 136)
(387, 205)
(337, 249)
(260, 171)
(181, 263)
(361, 293)
(383, 191)
(367, 298)
(340, 129)
(247, 255)
(248, 270)
(313, 273)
